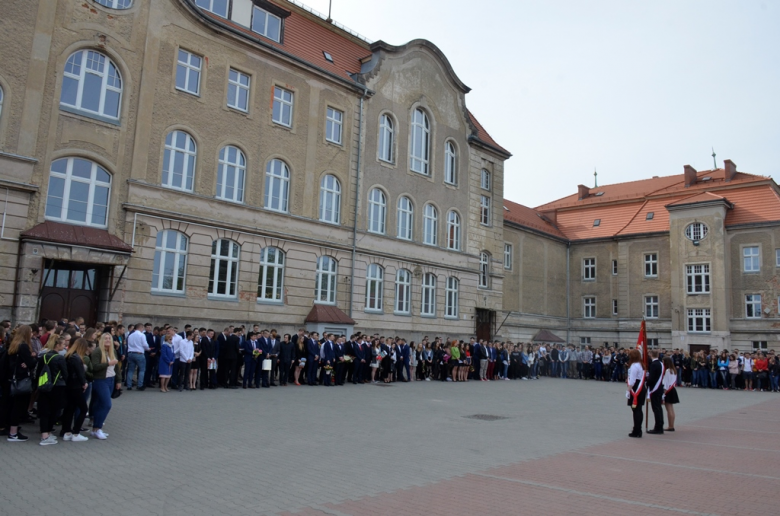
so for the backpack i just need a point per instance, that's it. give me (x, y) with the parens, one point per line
(45, 381)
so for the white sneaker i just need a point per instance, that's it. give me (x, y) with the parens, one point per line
(67, 437)
(49, 440)
(99, 434)
(77, 438)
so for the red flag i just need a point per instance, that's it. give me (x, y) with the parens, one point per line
(641, 343)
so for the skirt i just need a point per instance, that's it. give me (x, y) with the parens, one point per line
(163, 370)
(672, 397)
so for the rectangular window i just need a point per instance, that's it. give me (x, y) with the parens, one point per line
(759, 345)
(266, 24)
(651, 265)
(283, 106)
(238, 90)
(697, 279)
(589, 305)
(614, 268)
(188, 72)
(651, 307)
(451, 304)
(589, 269)
(333, 125)
(699, 320)
(614, 307)
(751, 259)
(652, 343)
(484, 210)
(508, 256)
(584, 341)
(485, 180)
(219, 7)
(753, 306)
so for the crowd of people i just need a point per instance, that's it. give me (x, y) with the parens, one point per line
(62, 372)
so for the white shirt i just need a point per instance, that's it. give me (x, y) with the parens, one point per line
(747, 365)
(670, 380)
(635, 372)
(176, 341)
(136, 342)
(186, 350)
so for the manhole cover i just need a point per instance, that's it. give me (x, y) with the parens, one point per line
(486, 417)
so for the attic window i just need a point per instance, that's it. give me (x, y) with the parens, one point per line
(596, 223)
(328, 57)
(506, 209)
(708, 178)
(650, 215)
(599, 194)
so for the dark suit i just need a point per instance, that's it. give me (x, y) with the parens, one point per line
(150, 375)
(286, 356)
(207, 378)
(656, 371)
(407, 361)
(250, 363)
(275, 346)
(222, 365)
(229, 354)
(312, 361)
(328, 358)
(357, 370)
(340, 367)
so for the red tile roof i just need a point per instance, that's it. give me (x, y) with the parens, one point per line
(59, 233)
(483, 136)
(698, 198)
(547, 336)
(328, 314)
(529, 218)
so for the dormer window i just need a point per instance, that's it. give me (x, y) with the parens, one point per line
(218, 7)
(328, 57)
(650, 215)
(266, 24)
(596, 223)
(598, 194)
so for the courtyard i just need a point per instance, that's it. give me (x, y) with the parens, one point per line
(519, 447)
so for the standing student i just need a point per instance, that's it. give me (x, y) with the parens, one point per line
(655, 391)
(313, 360)
(104, 373)
(52, 401)
(75, 387)
(18, 364)
(185, 357)
(286, 356)
(636, 390)
(670, 396)
(195, 358)
(136, 360)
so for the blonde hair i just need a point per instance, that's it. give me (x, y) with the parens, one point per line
(108, 355)
(79, 347)
(21, 335)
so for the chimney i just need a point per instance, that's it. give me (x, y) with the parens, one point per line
(582, 192)
(730, 168)
(690, 176)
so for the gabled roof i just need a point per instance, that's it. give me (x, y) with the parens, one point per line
(80, 236)
(483, 136)
(328, 314)
(525, 216)
(548, 336)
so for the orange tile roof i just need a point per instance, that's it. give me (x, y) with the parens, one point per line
(578, 224)
(639, 223)
(529, 218)
(695, 199)
(483, 136)
(753, 205)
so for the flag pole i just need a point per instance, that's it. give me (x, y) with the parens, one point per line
(644, 360)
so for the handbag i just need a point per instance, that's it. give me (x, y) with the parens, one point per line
(267, 364)
(20, 387)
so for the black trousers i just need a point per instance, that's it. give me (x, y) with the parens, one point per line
(231, 371)
(74, 399)
(50, 404)
(184, 375)
(656, 402)
(284, 371)
(204, 374)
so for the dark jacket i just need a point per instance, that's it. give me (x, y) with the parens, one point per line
(286, 352)
(57, 366)
(76, 372)
(231, 349)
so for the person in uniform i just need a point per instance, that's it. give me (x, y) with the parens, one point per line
(636, 390)
(655, 376)
(670, 396)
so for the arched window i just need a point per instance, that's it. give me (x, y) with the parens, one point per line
(277, 185)
(450, 164)
(119, 4)
(453, 230)
(325, 283)
(270, 283)
(377, 211)
(428, 295)
(405, 218)
(451, 304)
(223, 277)
(91, 84)
(403, 291)
(179, 161)
(375, 278)
(78, 192)
(230, 174)
(430, 225)
(330, 199)
(484, 270)
(170, 262)
(419, 150)
(386, 139)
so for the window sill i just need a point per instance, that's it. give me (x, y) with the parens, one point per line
(338, 145)
(452, 317)
(212, 297)
(92, 116)
(325, 303)
(426, 316)
(76, 223)
(168, 294)
(194, 94)
(402, 314)
(261, 301)
(177, 189)
(281, 125)
(374, 311)
(238, 110)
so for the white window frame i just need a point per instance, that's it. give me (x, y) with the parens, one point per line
(759, 345)
(484, 270)
(588, 269)
(453, 230)
(85, 62)
(277, 181)
(430, 225)
(258, 12)
(375, 285)
(651, 265)
(326, 281)
(699, 320)
(508, 256)
(696, 231)
(403, 292)
(68, 179)
(420, 144)
(235, 165)
(614, 267)
(614, 307)
(236, 86)
(589, 307)
(330, 199)
(229, 263)
(386, 147)
(751, 258)
(450, 164)
(212, 6)
(283, 104)
(428, 295)
(484, 181)
(178, 252)
(694, 271)
(405, 215)
(377, 211)
(270, 280)
(452, 295)
(119, 5)
(189, 161)
(191, 66)
(484, 210)
(753, 306)
(652, 306)
(334, 121)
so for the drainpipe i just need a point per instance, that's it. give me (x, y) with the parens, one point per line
(357, 198)
(568, 298)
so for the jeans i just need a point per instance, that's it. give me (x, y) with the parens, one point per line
(87, 401)
(713, 379)
(101, 391)
(774, 380)
(555, 369)
(506, 370)
(599, 365)
(563, 369)
(135, 360)
(617, 372)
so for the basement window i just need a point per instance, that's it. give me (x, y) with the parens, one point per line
(596, 223)
(328, 57)
(650, 215)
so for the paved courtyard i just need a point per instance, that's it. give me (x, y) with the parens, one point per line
(561, 447)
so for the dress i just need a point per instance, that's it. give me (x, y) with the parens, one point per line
(166, 357)
(670, 388)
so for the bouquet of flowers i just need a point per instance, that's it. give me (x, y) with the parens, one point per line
(328, 369)
(348, 359)
(256, 353)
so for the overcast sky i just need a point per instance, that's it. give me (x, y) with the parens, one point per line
(631, 88)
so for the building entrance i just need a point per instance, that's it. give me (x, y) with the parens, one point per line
(485, 324)
(69, 290)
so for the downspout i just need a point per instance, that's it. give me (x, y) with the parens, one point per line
(568, 298)
(357, 198)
